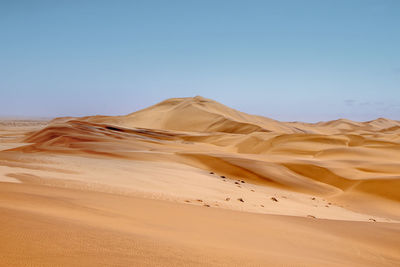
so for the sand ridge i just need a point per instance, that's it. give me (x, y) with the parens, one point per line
(200, 154)
(364, 163)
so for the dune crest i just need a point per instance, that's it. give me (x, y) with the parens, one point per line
(199, 114)
(102, 178)
(339, 159)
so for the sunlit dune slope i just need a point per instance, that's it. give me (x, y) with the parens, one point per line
(196, 114)
(199, 114)
(341, 160)
(49, 226)
(192, 182)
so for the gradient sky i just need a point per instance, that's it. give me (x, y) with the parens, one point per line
(290, 60)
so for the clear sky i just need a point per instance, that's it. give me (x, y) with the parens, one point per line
(305, 60)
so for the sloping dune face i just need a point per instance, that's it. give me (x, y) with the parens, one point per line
(341, 160)
(196, 114)
(88, 181)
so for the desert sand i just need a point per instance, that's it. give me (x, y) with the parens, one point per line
(191, 182)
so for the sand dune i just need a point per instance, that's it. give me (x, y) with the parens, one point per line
(73, 227)
(322, 179)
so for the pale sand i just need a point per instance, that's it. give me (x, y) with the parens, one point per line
(46, 226)
(137, 189)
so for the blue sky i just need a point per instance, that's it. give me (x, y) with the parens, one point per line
(289, 60)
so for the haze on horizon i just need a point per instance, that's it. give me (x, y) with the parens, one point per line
(288, 60)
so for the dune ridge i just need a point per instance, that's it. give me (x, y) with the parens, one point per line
(199, 152)
(305, 157)
(200, 114)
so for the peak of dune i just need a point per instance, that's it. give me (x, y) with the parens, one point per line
(340, 121)
(173, 102)
(383, 122)
(342, 126)
(196, 114)
(201, 114)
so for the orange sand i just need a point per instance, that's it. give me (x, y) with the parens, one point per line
(146, 189)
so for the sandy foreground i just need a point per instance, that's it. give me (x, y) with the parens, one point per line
(191, 182)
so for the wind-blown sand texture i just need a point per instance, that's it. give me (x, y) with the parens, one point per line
(192, 182)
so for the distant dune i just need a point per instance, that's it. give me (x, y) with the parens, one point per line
(200, 114)
(338, 178)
